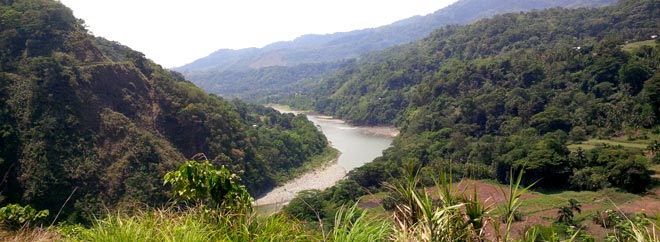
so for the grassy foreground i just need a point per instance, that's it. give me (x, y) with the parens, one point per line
(446, 212)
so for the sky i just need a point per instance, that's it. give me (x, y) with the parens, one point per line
(177, 32)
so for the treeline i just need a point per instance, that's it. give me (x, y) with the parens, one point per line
(509, 51)
(510, 93)
(90, 119)
(513, 91)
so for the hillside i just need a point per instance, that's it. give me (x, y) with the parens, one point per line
(553, 51)
(94, 121)
(346, 45)
(511, 91)
(570, 96)
(265, 74)
(563, 100)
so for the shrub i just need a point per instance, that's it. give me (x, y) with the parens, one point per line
(14, 216)
(200, 182)
(607, 218)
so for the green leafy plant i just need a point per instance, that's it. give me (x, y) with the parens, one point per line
(636, 228)
(513, 202)
(453, 216)
(200, 182)
(14, 216)
(565, 213)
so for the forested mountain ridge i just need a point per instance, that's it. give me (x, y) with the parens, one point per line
(510, 92)
(346, 45)
(568, 98)
(294, 64)
(384, 81)
(92, 119)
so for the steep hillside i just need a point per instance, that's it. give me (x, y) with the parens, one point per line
(562, 47)
(570, 96)
(92, 119)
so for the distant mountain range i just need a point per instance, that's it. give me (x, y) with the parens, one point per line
(216, 72)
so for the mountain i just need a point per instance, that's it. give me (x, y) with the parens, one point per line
(88, 124)
(518, 91)
(567, 98)
(266, 74)
(346, 45)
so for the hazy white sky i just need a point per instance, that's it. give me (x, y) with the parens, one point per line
(176, 32)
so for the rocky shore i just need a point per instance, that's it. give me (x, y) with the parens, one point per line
(321, 178)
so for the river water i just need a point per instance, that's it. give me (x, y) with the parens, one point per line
(357, 146)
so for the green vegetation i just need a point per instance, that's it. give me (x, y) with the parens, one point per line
(14, 216)
(282, 70)
(219, 209)
(89, 125)
(634, 46)
(199, 181)
(450, 215)
(329, 155)
(552, 93)
(593, 143)
(167, 225)
(518, 91)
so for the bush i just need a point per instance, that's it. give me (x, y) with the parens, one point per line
(14, 216)
(607, 218)
(200, 182)
(389, 202)
(632, 174)
(590, 178)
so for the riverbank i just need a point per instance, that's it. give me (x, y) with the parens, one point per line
(319, 161)
(320, 178)
(357, 145)
(387, 131)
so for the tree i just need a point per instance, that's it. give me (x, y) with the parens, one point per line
(575, 205)
(632, 174)
(634, 74)
(651, 91)
(308, 205)
(565, 213)
(200, 182)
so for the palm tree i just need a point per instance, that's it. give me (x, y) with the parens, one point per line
(565, 215)
(575, 205)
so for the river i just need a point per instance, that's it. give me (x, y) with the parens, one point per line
(357, 146)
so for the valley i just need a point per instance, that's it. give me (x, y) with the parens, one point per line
(488, 120)
(355, 146)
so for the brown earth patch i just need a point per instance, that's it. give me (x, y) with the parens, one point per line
(489, 194)
(648, 205)
(369, 204)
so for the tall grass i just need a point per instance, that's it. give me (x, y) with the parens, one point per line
(354, 226)
(28, 234)
(191, 225)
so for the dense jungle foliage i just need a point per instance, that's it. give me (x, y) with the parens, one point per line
(87, 124)
(518, 91)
